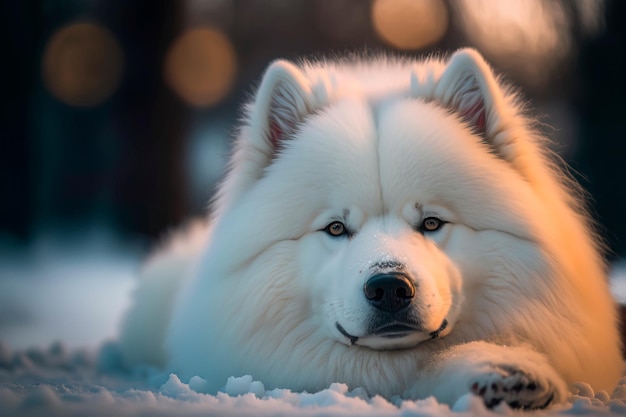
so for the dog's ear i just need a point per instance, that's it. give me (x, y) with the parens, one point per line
(283, 100)
(468, 87)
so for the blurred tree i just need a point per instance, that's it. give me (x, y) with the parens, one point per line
(149, 185)
(19, 37)
(602, 107)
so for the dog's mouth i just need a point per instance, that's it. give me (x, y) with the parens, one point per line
(352, 339)
(392, 331)
(436, 333)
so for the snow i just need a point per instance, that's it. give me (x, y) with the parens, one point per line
(618, 281)
(52, 382)
(60, 303)
(73, 289)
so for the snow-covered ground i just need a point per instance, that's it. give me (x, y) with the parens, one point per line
(72, 289)
(60, 302)
(618, 281)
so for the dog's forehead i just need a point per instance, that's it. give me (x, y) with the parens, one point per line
(402, 146)
(425, 148)
(406, 151)
(335, 151)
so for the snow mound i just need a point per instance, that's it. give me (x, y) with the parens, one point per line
(57, 382)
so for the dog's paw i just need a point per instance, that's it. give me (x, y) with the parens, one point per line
(514, 387)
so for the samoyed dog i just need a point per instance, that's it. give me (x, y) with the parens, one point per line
(394, 225)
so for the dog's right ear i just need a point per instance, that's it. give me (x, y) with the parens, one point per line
(283, 100)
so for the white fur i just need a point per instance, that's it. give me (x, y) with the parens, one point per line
(380, 145)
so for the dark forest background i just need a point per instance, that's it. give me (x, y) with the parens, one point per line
(117, 114)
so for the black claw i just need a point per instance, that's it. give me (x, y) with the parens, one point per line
(515, 404)
(493, 402)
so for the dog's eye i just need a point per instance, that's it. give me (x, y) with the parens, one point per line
(431, 224)
(336, 229)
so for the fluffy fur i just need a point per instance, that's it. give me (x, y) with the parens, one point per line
(510, 301)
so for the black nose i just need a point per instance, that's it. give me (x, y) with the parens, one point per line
(389, 292)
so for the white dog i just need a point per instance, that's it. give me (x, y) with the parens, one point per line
(390, 224)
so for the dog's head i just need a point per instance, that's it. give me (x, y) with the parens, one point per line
(380, 201)
(385, 284)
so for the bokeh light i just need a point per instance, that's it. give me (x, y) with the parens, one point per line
(525, 37)
(410, 24)
(82, 64)
(200, 66)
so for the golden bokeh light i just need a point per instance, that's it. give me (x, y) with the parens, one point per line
(200, 67)
(410, 24)
(526, 37)
(82, 64)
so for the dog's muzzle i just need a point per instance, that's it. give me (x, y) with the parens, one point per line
(394, 321)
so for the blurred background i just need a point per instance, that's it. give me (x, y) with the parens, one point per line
(117, 117)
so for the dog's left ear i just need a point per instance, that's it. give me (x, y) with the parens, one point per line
(468, 87)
